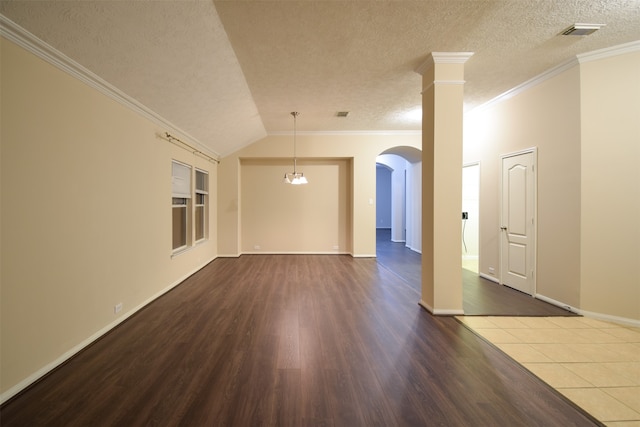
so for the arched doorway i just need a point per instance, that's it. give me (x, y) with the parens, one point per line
(402, 167)
(399, 247)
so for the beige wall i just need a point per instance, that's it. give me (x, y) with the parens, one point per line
(546, 116)
(86, 215)
(312, 218)
(611, 185)
(585, 124)
(348, 164)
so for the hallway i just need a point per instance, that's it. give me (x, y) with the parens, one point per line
(481, 297)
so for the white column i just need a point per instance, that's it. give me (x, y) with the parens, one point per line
(442, 111)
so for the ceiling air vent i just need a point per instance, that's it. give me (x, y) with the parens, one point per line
(581, 29)
(342, 114)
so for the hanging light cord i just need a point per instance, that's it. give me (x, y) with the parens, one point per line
(295, 116)
(295, 177)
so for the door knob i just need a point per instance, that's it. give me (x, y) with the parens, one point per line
(503, 228)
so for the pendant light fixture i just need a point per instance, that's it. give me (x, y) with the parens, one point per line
(295, 178)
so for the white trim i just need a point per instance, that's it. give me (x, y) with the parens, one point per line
(561, 68)
(426, 306)
(23, 38)
(540, 78)
(520, 152)
(489, 277)
(609, 318)
(609, 52)
(181, 250)
(443, 58)
(441, 311)
(593, 315)
(414, 249)
(448, 312)
(451, 57)
(556, 303)
(295, 253)
(475, 163)
(350, 132)
(76, 349)
(201, 241)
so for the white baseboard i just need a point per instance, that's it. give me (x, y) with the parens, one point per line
(440, 311)
(76, 349)
(398, 241)
(414, 249)
(591, 314)
(296, 253)
(448, 312)
(609, 318)
(488, 277)
(556, 303)
(426, 306)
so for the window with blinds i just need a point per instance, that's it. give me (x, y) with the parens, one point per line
(180, 203)
(201, 205)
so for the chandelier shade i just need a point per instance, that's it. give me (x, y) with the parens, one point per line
(295, 178)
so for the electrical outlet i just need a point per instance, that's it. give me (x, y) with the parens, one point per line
(117, 308)
(492, 270)
(256, 247)
(465, 215)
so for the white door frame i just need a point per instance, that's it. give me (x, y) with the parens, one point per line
(465, 165)
(534, 151)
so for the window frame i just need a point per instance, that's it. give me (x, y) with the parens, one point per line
(204, 193)
(180, 199)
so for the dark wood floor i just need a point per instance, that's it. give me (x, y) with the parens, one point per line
(291, 340)
(480, 296)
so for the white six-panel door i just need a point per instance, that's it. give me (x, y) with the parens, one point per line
(517, 229)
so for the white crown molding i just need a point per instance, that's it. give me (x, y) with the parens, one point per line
(529, 84)
(609, 52)
(579, 59)
(443, 58)
(351, 133)
(23, 38)
(451, 57)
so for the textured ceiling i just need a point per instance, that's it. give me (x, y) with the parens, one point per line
(174, 57)
(221, 70)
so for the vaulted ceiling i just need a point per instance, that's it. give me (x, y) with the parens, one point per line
(229, 72)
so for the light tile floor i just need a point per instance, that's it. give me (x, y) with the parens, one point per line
(595, 364)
